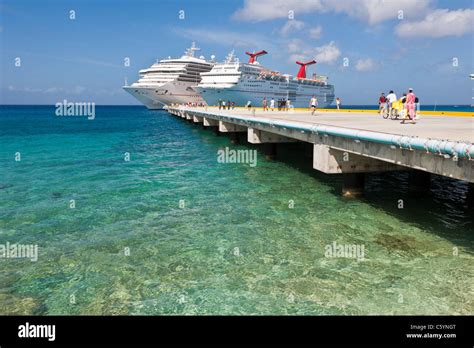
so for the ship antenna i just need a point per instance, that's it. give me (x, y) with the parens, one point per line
(230, 57)
(190, 51)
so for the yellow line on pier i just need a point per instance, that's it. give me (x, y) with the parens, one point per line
(431, 113)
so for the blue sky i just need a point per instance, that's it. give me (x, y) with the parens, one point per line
(83, 59)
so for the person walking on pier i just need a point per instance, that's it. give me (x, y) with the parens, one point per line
(382, 102)
(313, 104)
(272, 104)
(264, 104)
(338, 103)
(391, 98)
(410, 106)
(220, 104)
(249, 105)
(417, 108)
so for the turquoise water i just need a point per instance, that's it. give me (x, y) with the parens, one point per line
(235, 248)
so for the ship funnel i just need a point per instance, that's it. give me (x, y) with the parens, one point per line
(302, 71)
(253, 56)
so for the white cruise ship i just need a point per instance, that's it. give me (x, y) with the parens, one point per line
(243, 82)
(171, 81)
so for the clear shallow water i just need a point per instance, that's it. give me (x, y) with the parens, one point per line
(183, 261)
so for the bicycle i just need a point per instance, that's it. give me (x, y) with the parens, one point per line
(384, 111)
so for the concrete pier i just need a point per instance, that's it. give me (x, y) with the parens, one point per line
(354, 143)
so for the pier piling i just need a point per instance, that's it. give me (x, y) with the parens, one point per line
(354, 143)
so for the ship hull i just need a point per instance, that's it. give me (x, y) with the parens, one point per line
(145, 96)
(166, 94)
(299, 96)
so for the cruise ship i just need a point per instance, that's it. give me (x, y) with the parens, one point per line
(243, 82)
(171, 81)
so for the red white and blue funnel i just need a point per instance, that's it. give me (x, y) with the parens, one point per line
(302, 71)
(253, 56)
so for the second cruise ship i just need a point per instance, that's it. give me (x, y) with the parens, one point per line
(171, 81)
(243, 82)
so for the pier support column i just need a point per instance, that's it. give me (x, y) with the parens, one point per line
(353, 184)
(197, 119)
(334, 161)
(419, 181)
(270, 150)
(255, 136)
(209, 122)
(226, 127)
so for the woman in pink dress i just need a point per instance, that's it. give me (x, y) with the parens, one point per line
(410, 105)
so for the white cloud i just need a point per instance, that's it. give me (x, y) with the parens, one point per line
(225, 37)
(295, 45)
(51, 90)
(370, 11)
(77, 90)
(366, 65)
(439, 23)
(25, 89)
(290, 26)
(262, 10)
(377, 11)
(327, 53)
(315, 33)
(322, 54)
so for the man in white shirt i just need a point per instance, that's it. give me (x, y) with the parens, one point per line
(391, 98)
(272, 104)
(313, 104)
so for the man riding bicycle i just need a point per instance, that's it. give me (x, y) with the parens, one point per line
(391, 98)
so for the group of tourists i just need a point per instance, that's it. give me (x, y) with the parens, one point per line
(192, 104)
(407, 105)
(282, 104)
(226, 104)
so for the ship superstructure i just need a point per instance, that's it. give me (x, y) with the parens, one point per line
(171, 81)
(243, 82)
